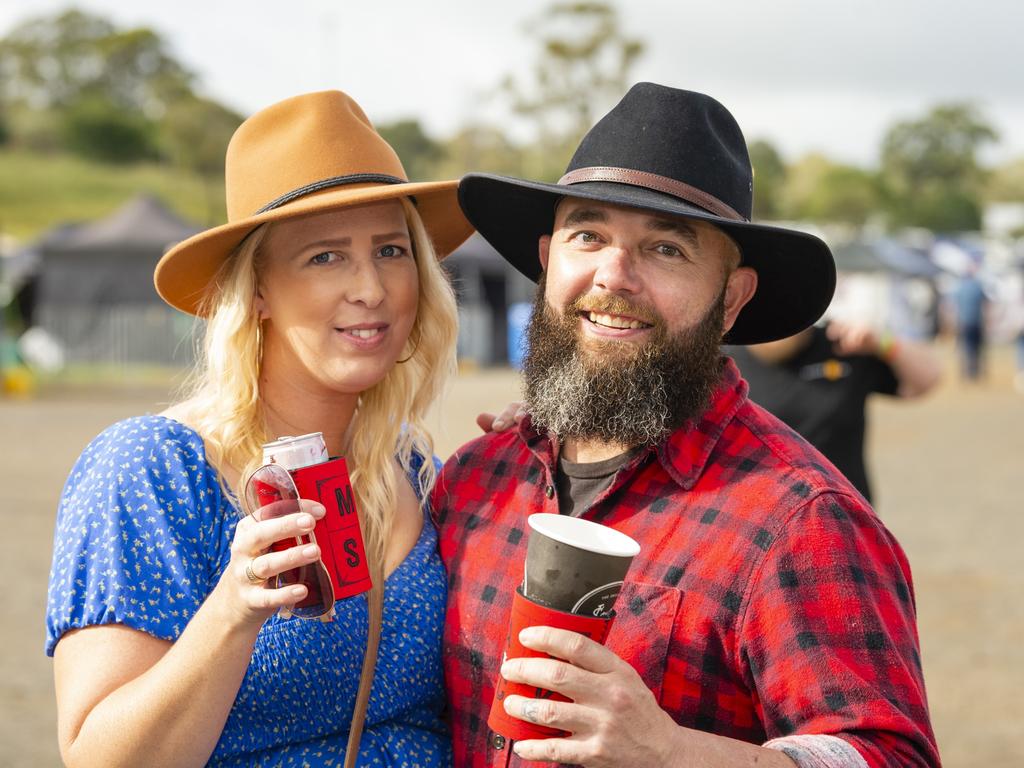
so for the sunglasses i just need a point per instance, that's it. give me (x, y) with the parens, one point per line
(269, 493)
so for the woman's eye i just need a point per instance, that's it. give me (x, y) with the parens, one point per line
(324, 258)
(391, 251)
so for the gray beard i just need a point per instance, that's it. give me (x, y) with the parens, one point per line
(614, 392)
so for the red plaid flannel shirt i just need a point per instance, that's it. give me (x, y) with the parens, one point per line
(767, 599)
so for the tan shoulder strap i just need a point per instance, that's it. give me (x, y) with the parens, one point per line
(375, 609)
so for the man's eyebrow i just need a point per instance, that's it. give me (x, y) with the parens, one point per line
(679, 228)
(585, 216)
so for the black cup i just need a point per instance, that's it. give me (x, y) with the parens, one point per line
(576, 565)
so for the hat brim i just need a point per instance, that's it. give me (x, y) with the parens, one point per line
(796, 274)
(185, 272)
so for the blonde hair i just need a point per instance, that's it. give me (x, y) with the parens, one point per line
(223, 399)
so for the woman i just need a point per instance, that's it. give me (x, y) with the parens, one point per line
(325, 311)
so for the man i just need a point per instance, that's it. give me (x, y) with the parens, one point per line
(768, 605)
(819, 380)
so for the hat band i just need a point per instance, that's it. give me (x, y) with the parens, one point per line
(655, 182)
(335, 181)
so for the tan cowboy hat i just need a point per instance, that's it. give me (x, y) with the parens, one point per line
(305, 155)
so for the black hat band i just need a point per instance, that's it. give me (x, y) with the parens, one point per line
(654, 182)
(337, 181)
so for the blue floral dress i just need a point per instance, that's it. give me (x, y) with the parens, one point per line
(143, 534)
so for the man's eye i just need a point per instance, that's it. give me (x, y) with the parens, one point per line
(324, 258)
(668, 250)
(391, 251)
(585, 237)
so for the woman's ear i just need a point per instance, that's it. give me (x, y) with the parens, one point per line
(260, 305)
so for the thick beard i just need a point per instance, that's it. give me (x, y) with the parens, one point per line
(612, 391)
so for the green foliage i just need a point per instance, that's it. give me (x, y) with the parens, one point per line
(930, 168)
(56, 61)
(97, 129)
(581, 70)
(419, 153)
(769, 179)
(1006, 183)
(38, 192)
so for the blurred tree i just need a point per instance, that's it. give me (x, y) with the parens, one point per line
(55, 61)
(194, 134)
(769, 179)
(582, 69)
(930, 169)
(96, 128)
(1006, 183)
(420, 154)
(481, 148)
(821, 190)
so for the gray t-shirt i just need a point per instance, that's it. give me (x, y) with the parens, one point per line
(579, 484)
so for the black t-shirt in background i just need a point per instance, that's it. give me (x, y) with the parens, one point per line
(822, 396)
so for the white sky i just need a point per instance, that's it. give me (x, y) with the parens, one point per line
(809, 75)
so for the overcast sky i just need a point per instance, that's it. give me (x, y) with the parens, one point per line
(809, 75)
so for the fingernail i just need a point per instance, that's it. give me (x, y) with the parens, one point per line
(504, 668)
(309, 551)
(298, 591)
(498, 424)
(306, 521)
(528, 634)
(319, 509)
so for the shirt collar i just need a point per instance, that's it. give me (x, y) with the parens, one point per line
(685, 452)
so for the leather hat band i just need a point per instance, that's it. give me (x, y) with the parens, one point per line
(657, 183)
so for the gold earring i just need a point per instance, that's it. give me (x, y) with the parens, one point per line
(415, 346)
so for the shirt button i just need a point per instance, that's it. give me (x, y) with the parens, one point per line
(550, 491)
(497, 741)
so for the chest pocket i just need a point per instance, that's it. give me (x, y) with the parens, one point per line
(645, 614)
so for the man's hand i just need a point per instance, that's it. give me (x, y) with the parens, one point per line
(853, 339)
(510, 416)
(615, 719)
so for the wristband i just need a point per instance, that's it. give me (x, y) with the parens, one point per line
(888, 347)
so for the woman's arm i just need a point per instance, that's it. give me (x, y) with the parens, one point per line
(127, 698)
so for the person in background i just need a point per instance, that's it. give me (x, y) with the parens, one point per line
(326, 311)
(971, 306)
(769, 616)
(819, 380)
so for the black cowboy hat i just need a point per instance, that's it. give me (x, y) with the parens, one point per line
(676, 152)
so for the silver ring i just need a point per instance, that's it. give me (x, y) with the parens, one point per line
(250, 574)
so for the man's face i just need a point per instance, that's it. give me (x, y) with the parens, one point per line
(623, 343)
(628, 275)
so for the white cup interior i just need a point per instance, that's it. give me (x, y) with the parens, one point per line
(584, 534)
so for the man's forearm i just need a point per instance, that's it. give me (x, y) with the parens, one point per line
(697, 749)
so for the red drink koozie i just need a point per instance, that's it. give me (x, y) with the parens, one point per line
(526, 613)
(337, 532)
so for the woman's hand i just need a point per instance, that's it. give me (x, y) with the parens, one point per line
(245, 585)
(513, 413)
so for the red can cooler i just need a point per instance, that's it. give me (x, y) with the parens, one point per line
(526, 613)
(338, 534)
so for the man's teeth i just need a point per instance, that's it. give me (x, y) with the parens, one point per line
(615, 322)
(363, 333)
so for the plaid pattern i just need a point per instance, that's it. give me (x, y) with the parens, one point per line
(767, 599)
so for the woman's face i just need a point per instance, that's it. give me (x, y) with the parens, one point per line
(338, 292)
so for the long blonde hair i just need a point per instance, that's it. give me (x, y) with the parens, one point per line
(222, 397)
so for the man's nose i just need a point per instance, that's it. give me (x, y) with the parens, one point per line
(616, 269)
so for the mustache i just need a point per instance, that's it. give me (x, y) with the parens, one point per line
(615, 305)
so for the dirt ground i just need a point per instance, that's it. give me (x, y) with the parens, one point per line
(947, 472)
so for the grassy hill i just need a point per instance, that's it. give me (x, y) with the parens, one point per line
(40, 191)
